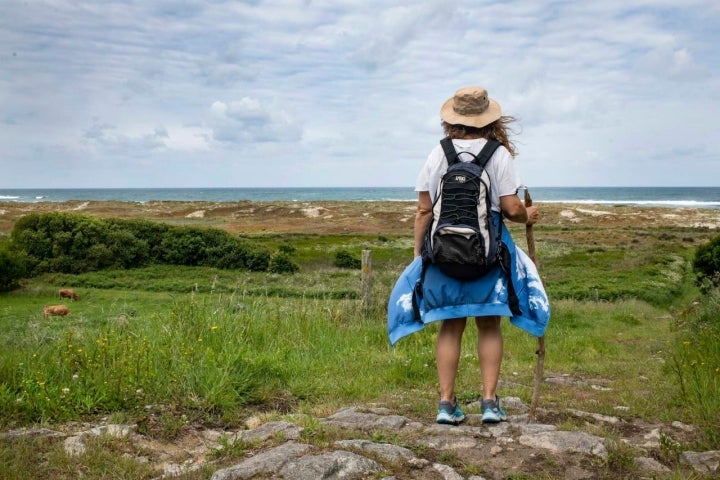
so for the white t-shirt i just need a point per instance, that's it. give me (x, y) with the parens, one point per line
(500, 169)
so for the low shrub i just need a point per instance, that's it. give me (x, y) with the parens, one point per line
(343, 259)
(280, 262)
(69, 243)
(13, 266)
(706, 262)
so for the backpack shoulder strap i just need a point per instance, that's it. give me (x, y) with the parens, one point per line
(487, 151)
(449, 149)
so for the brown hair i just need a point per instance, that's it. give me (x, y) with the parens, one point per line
(497, 130)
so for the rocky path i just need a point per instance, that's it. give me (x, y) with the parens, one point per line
(373, 442)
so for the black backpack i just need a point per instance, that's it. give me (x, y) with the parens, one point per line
(462, 239)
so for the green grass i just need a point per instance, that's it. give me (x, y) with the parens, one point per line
(212, 353)
(218, 346)
(105, 457)
(694, 361)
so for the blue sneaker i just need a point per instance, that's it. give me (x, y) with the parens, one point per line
(492, 411)
(449, 413)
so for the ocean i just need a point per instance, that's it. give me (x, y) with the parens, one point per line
(671, 197)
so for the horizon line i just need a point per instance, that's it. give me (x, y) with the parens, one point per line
(335, 187)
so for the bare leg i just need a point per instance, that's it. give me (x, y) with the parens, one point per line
(490, 352)
(447, 355)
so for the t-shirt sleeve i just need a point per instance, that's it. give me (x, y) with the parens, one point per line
(507, 180)
(426, 180)
(421, 183)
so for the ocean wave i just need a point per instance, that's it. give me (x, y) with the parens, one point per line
(354, 199)
(661, 197)
(664, 203)
(393, 200)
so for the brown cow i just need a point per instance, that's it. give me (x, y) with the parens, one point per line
(56, 310)
(68, 293)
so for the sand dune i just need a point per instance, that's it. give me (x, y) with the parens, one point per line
(346, 217)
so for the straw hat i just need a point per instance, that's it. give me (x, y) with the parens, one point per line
(471, 107)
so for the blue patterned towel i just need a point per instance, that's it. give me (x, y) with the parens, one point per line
(444, 297)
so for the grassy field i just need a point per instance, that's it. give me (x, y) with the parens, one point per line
(182, 346)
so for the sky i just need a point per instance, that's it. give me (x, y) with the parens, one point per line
(347, 93)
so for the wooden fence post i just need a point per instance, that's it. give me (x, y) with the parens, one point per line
(366, 279)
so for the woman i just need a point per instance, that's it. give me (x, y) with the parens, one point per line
(470, 118)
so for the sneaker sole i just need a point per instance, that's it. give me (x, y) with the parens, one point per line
(493, 418)
(446, 419)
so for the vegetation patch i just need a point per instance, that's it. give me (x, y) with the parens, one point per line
(69, 243)
(173, 347)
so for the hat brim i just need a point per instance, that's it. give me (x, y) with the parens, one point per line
(491, 114)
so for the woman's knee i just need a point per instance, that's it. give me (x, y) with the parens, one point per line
(455, 325)
(488, 324)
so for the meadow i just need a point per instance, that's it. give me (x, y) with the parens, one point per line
(169, 347)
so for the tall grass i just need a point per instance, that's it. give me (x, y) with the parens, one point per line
(208, 352)
(217, 356)
(695, 363)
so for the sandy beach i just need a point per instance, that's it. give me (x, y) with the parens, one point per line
(332, 217)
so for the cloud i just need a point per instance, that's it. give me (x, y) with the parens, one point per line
(247, 120)
(675, 64)
(393, 32)
(106, 137)
(351, 89)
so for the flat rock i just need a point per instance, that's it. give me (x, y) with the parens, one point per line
(566, 442)
(447, 472)
(331, 465)
(704, 462)
(352, 418)
(647, 464)
(267, 462)
(385, 451)
(287, 430)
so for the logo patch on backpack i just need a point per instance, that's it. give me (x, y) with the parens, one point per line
(463, 240)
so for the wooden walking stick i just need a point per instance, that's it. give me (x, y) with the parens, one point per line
(541, 340)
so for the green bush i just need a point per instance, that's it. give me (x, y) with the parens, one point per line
(13, 266)
(63, 242)
(152, 233)
(343, 259)
(280, 262)
(706, 263)
(183, 246)
(287, 249)
(68, 243)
